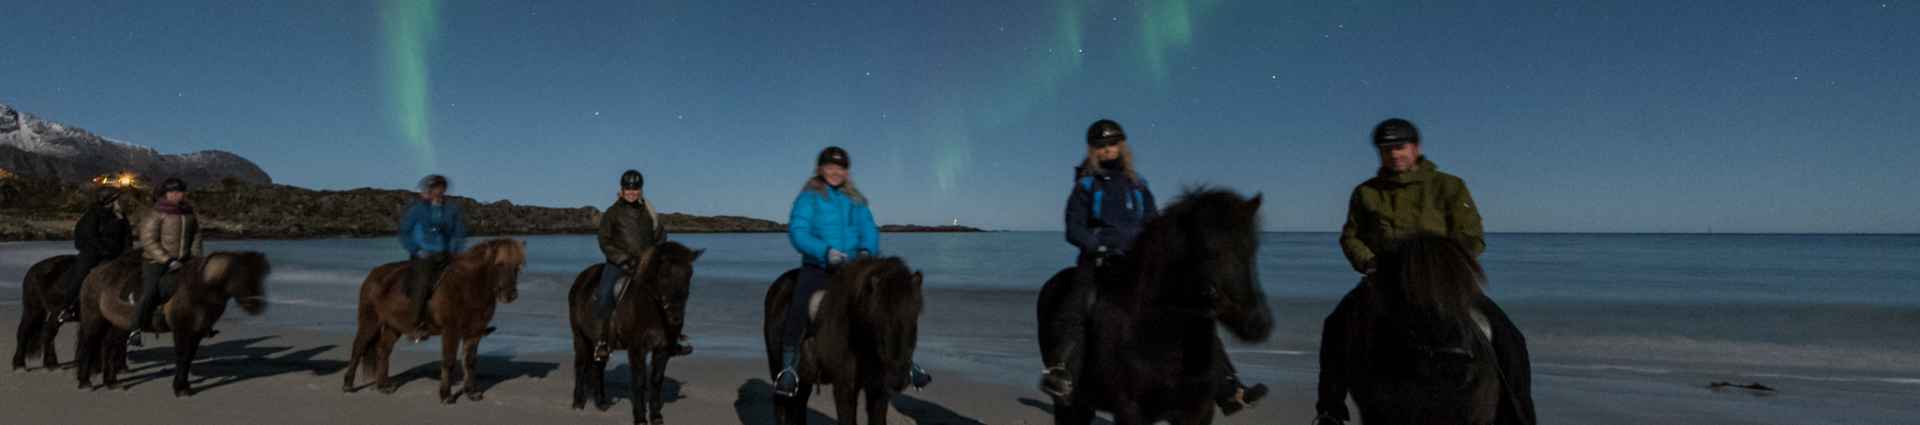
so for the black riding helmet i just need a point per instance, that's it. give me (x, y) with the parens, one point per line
(106, 194)
(632, 180)
(432, 180)
(833, 155)
(1393, 132)
(172, 185)
(1105, 132)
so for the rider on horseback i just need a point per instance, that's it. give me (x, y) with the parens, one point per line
(432, 231)
(828, 219)
(169, 236)
(101, 235)
(629, 228)
(1109, 206)
(1407, 197)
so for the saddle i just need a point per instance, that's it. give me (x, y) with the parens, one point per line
(169, 283)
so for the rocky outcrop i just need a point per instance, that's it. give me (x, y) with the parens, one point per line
(32, 147)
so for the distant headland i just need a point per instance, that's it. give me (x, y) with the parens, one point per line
(48, 171)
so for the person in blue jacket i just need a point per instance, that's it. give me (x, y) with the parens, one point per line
(829, 224)
(432, 231)
(1109, 206)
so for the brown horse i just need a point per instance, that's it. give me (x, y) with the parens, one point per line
(1417, 342)
(646, 320)
(202, 287)
(462, 304)
(864, 332)
(38, 305)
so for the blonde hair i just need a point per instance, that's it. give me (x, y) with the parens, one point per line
(818, 185)
(1092, 164)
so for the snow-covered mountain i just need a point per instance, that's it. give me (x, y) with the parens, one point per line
(30, 146)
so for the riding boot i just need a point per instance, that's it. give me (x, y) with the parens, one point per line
(419, 291)
(788, 382)
(150, 274)
(603, 348)
(605, 299)
(1231, 395)
(918, 377)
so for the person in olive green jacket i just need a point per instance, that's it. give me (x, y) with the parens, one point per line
(1409, 196)
(169, 236)
(629, 229)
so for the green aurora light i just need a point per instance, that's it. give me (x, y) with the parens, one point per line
(411, 27)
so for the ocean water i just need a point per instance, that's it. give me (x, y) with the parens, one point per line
(1820, 311)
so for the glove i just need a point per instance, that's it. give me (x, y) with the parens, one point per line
(1371, 266)
(862, 253)
(834, 256)
(173, 265)
(423, 254)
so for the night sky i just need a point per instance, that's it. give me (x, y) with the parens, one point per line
(1618, 116)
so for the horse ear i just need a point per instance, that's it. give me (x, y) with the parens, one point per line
(696, 254)
(1254, 204)
(916, 281)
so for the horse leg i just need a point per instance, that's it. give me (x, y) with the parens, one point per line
(877, 399)
(113, 358)
(47, 334)
(363, 340)
(582, 362)
(86, 353)
(1074, 414)
(656, 381)
(468, 362)
(846, 401)
(383, 358)
(449, 357)
(637, 373)
(185, 345)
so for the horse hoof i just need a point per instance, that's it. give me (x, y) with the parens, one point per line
(182, 393)
(603, 406)
(449, 400)
(579, 405)
(475, 396)
(388, 389)
(656, 420)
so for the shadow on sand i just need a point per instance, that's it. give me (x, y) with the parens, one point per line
(755, 407)
(1048, 407)
(619, 384)
(491, 371)
(227, 362)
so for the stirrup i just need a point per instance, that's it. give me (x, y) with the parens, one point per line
(787, 383)
(601, 351)
(133, 339)
(918, 377)
(1242, 398)
(1057, 382)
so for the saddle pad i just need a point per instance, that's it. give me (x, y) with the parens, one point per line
(813, 304)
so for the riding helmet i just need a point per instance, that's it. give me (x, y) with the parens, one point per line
(172, 185)
(1393, 132)
(432, 180)
(834, 155)
(1105, 132)
(105, 194)
(632, 180)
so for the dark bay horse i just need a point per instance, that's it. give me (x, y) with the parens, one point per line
(1418, 343)
(462, 304)
(38, 305)
(1150, 334)
(647, 320)
(202, 288)
(864, 332)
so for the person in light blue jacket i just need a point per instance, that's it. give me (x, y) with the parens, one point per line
(432, 231)
(829, 224)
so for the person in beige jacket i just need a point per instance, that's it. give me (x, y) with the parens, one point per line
(169, 236)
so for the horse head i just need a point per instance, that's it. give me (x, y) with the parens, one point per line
(1208, 236)
(670, 270)
(503, 259)
(1430, 280)
(239, 274)
(887, 303)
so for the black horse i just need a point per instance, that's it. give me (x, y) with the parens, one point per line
(1418, 343)
(1150, 334)
(864, 332)
(647, 319)
(40, 302)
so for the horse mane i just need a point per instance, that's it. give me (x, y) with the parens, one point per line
(1433, 281)
(498, 252)
(240, 274)
(1198, 257)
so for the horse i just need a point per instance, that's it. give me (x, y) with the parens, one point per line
(1417, 342)
(39, 304)
(864, 331)
(461, 303)
(647, 319)
(202, 288)
(1150, 332)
